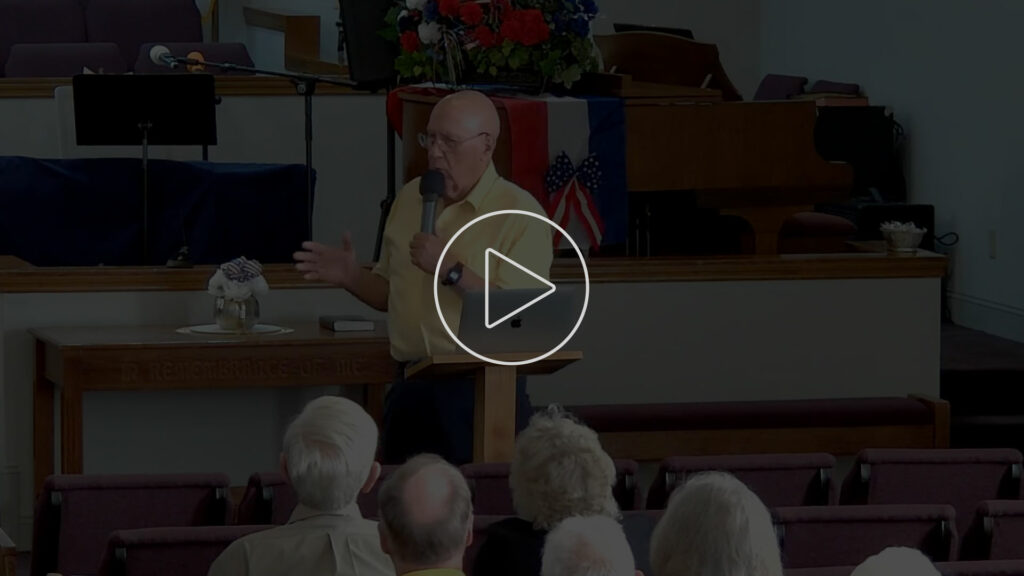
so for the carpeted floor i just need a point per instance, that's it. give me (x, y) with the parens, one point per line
(982, 377)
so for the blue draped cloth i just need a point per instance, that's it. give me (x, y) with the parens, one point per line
(89, 212)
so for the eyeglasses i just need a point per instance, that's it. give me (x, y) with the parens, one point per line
(446, 143)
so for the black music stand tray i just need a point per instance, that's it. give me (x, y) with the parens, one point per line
(143, 110)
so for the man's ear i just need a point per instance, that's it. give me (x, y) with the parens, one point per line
(371, 479)
(283, 463)
(469, 535)
(639, 573)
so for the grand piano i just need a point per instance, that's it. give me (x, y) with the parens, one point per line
(756, 160)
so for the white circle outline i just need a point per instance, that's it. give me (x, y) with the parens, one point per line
(586, 282)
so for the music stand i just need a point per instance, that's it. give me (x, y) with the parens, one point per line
(143, 110)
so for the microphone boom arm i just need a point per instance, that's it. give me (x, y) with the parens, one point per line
(305, 86)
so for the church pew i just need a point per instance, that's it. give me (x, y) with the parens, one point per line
(842, 426)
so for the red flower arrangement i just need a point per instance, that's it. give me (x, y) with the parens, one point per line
(493, 40)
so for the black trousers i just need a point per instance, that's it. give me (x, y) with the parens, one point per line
(436, 416)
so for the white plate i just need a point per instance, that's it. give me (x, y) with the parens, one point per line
(215, 329)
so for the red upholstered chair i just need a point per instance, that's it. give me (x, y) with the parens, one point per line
(814, 233)
(997, 532)
(179, 551)
(130, 23)
(62, 60)
(39, 21)
(777, 479)
(961, 478)
(268, 499)
(982, 568)
(822, 536)
(975, 568)
(75, 514)
(492, 494)
(780, 87)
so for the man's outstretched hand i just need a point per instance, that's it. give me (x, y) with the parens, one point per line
(333, 264)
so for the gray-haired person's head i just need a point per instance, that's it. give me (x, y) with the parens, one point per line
(587, 546)
(329, 452)
(426, 514)
(714, 524)
(560, 470)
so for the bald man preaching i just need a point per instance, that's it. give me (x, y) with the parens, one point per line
(433, 416)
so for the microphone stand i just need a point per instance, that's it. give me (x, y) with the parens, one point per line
(305, 85)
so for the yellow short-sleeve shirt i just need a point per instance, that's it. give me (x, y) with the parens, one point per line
(414, 328)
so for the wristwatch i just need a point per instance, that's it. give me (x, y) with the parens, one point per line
(453, 276)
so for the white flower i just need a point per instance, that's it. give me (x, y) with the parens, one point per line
(415, 4)
(429, 32)
(238, 280)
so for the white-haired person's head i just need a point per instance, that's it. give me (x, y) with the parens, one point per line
(329, 452)
(588, 546)
(560, 470)
(426, 515)
(897, 561)
(714, 524)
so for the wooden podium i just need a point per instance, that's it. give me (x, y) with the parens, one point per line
(494, 411)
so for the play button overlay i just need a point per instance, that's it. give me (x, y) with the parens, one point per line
(495, 321)
(491, 252)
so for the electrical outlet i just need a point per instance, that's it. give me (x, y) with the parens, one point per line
(992, 244)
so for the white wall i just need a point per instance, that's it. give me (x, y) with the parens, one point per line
(948, 71)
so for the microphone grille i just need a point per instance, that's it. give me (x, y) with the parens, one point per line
(156, 52)
(432, 184)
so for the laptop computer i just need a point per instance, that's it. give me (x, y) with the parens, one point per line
(537, 328)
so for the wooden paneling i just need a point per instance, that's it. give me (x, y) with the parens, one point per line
(743, 146)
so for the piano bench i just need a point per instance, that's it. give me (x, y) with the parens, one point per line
(815, 232)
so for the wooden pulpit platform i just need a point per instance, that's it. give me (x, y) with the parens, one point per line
(494, 411)
(84, 359)
(79, 360)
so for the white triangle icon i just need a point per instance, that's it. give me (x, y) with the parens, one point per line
(487, 288)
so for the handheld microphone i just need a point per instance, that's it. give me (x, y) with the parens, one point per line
(161, 56)
(431, 187)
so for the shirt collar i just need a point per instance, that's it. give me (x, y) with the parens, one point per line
(303, 512)
(483, 187)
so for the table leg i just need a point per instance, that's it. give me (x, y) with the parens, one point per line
(494, 414)
(42, 420)
(71, 429)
